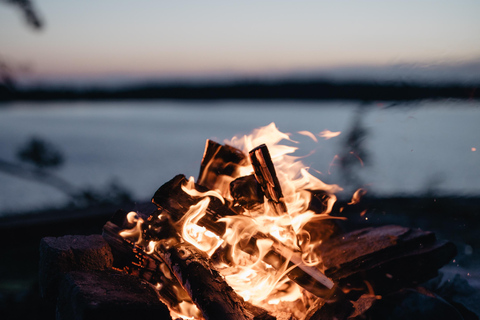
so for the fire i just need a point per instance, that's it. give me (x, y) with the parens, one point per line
(357, 196)
(327, 134)
(258, 235)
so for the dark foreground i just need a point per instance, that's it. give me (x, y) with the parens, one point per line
(453, 219)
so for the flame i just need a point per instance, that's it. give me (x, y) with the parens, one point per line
(327, 134)
(308, 134)
(357, 196)
(189, 189)
(136, 231)
(252, 278)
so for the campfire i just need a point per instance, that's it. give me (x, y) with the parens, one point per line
(257, 236)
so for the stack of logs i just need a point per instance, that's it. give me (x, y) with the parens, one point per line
(363, 264)
(359, 266)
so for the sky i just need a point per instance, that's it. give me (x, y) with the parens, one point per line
(168, 39)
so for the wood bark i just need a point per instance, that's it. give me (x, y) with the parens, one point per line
(388, 257)
(208, 289)
(267, 178)
(131, 259)
(220, 160)
(182, 278)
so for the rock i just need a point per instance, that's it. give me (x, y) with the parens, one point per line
(107, 295)
(69, 253)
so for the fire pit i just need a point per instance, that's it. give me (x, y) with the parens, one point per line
(258, 237)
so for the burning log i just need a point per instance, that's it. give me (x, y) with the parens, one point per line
(131, 259)
(246, 192)
(220, 164)
(267, 178)
(208, 289)
(180, 278)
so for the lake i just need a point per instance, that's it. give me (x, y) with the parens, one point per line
(410, 148)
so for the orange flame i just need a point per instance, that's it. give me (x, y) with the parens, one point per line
(327, 134)
(357, 196)
(308, 134)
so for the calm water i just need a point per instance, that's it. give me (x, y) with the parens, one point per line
(419, 147)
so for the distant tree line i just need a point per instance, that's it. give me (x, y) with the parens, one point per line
(280, 89)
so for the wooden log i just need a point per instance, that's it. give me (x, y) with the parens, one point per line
(388, 257)
(208, 289)
(267, 178)
(175, 202)
(220, 165)
(246, 192)
(153, 267)
(131, 259)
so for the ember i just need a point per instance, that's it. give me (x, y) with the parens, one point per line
(255, 238)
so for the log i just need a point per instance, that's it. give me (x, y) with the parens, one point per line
(267, 178)
(171, 199)
(388, 257)
(220, 164)
(156, 269)
(246, 192)
(131, 259)
(208, 289)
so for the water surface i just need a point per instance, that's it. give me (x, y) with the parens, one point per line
(420, 147)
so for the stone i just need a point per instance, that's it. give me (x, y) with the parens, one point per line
(108, 295)
(69, 253)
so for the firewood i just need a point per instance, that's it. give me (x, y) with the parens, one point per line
(170, 198)
(131, 259)
(175, 202)
(388, 257)
(207, 288)
(158, 270)
(220, 160)
(267, 178)
(246, 192)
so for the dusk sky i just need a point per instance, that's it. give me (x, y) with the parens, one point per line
(182, 38)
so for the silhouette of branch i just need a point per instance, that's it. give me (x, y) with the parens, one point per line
(29, 12)
(38, 175)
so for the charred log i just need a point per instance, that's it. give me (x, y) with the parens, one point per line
(388, 257)
(207, 288)
(131, 259)
(220, 165)
(175, 202)
(246, 192)
(267, 178)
